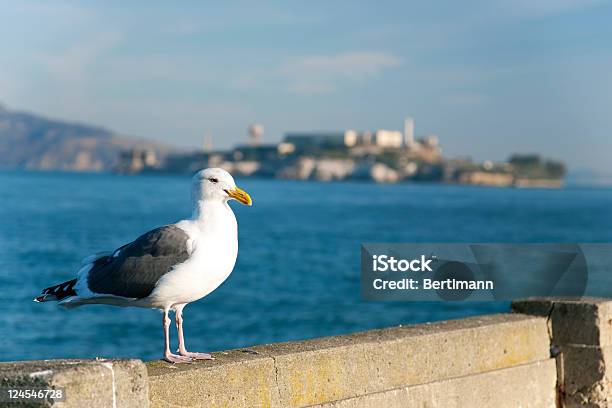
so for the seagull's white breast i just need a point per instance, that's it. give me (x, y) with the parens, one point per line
(213, 246)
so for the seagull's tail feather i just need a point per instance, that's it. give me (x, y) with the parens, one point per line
(57, 292)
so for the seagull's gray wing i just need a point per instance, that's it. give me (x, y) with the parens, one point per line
(132, 271)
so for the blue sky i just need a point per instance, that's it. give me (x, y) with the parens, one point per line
(489, 78)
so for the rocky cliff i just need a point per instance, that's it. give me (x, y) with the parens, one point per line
(32, 142)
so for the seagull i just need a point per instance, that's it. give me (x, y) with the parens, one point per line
(167, 267)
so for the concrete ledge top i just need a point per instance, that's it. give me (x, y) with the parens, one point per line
(376, 336)
(328, 369)
(541, 306)
(15, 372)
(573, 321)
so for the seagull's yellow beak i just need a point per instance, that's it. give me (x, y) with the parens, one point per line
(240, 195)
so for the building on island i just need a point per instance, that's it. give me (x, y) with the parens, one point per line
(382, 155)
(136, 160)
(382, 138)
(302, 140)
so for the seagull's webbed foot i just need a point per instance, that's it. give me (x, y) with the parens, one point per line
(196, 356)
(175, 358)
(182, 350)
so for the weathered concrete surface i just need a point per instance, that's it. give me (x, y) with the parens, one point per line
(581, 336)
(586, 380)
(329, 369)
(233, 379)
(527, 386)
(573, 321)
(87, 383)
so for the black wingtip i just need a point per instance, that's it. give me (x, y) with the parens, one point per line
(57, 292)
(46, 297)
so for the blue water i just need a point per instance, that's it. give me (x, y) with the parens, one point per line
(297, 274)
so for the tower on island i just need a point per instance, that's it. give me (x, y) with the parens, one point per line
(409, 132)
(256, 131)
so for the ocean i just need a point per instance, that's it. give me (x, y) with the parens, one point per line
(297, 274)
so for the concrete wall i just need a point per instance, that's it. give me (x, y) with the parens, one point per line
(87, 383)
(581, 341)
(499, 360)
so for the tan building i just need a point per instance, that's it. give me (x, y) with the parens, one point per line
(485, 178)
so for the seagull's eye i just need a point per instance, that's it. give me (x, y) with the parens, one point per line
(213, 180)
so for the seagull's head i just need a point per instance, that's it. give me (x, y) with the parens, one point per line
(216, 184)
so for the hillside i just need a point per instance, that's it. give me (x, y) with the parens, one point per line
(32, 142)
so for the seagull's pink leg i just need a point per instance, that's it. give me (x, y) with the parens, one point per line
(168, 356)
(181, 348)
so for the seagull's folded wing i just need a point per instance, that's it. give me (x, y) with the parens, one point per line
(133, 270)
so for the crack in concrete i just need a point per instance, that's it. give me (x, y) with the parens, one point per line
(276, 378)
(557, 354)
(549, 322)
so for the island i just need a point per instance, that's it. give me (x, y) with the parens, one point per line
(383, 156)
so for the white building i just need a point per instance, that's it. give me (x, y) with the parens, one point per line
(383, 138)
(349, 138)
(388, 138)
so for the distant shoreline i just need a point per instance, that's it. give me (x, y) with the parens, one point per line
(568, 185)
